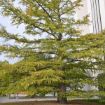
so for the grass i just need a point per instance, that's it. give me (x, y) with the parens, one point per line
(74, 102)
(99, 101)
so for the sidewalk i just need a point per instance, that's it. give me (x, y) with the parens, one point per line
(7, 100)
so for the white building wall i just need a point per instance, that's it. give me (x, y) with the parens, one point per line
(81, 12)
(102, 10)
(96, 11)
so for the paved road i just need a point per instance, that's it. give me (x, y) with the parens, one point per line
(7, 100)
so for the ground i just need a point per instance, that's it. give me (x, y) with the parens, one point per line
(76, 102)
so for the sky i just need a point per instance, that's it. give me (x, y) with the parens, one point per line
(5, 21)
(12, 29)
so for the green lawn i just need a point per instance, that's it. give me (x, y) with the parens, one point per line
(99, 101)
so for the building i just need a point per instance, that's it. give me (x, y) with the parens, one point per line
(95, 9)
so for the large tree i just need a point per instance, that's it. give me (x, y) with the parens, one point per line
(56, 57)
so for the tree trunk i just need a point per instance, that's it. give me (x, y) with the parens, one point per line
(61, 98)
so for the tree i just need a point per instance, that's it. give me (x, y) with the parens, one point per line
(4, 76)
(56, 59)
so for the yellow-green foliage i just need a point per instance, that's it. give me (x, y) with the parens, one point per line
(57, 57)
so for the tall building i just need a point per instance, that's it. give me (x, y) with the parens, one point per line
(95, 9)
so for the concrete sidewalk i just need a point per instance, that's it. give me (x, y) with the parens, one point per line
(7, 100)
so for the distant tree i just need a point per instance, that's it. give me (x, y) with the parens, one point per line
(101, 81)
(4, 82)
(57, 56)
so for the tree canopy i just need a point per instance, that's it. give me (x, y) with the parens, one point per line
(58, 57)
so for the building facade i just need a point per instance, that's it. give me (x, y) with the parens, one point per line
(95, 9)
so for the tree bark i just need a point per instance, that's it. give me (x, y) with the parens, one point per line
(61, 98)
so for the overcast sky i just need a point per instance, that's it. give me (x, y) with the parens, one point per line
(5, 21)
